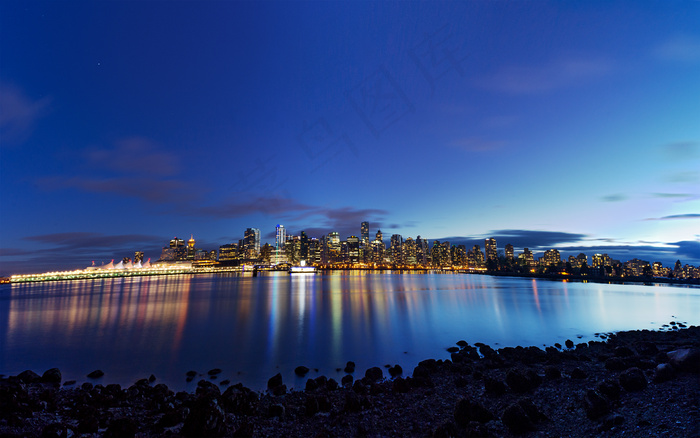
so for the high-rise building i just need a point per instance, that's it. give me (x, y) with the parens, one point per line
(364, 234)
(478, 256)
(281, 238)
(491, 249)
(397, 249)
(551, 257)
(509, 252)
(353, 249)
(251, 237)
(228, 252)
(191, 251)
(409, 251)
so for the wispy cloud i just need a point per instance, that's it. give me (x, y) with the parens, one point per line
(18, 113)
(562, 73)
(149, 189)
(676, 217)
(617, 197)
(681, 48)
(532, 239)
(136, 155)
(682, 150)
(686, 176)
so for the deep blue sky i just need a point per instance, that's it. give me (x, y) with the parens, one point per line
(546, 124)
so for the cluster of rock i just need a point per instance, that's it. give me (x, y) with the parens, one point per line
(637, 383)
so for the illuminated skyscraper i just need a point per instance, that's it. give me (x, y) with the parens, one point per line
(281, 238)
(364, 233)
(490, 249)
(510, 254)
(353, 249)
(190, 248)
(252, 243)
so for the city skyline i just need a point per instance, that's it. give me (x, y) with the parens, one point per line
(547, 125)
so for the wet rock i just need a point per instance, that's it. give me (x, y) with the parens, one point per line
(664, 372)
(400, 385)
(51, 376)
(446, 430)
(279, 390)
(350, 367)
(311, 385)
(206, 418)
(421, 371)
(321, 381)
(191, 373)
(332, 384)
(452, 349)
(301, 370)
(686, 359)
(274, 381)
(487, 351)
(69, 383)
(633, 379)
(578, 373)
(96, 374)
(468, 410)
(225, 382)
(214, 372)
(374, 374)
(87, 386)
(28, 376)
(346, 381)
(517, 421)
(207, 389)
(395, 371)
(239, 400)
(122, 428)
(151, 378)
(610, 389)
(569, 344)
(648, 349)
(595, 405)
(462, 343)
(494, 386)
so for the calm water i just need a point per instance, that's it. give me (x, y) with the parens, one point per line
(253, 328)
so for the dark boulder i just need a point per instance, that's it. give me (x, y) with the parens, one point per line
(623, 352)
(468, 410)
(462, 343)
(279, 390)
(191, 373)
(207, 389)
(239, 400)
(633, 379)
(321, 381)
(494, 386)
(686, 359)
(206, 418)
(214, 372)
(374, 374)
(332, 384)
(610, 389)
(569, 344)
(346, 381)
(350, 367)
(647, 349)
(301, 371)
(664, 372)
(274, 381)
(519, 381)
(28, 376)
(487, 351)
(517, 420)
(452, 349)
(395, 371)
(311, 385)
(52, 376)
(595, 405)
(401, 385)
(421, 371)
(96, 374)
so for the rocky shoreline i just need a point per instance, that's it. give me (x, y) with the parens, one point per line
(634, 383)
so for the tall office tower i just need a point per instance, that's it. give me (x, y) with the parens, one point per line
(228, 252)
(251, 237)
(409, 251)
(176, 243)
(397, 249)
(304, 239)
(478, 255)
(334, 255)
(422, 251)
(353, 249)
(509, 252)
(281, 238)
(491, 250)
(379, 236)
(364, 233)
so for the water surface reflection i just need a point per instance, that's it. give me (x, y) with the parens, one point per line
(254, 327)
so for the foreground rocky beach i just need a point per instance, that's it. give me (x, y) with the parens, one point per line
(635, 383)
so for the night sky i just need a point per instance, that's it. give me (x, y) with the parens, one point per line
(573, 125)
